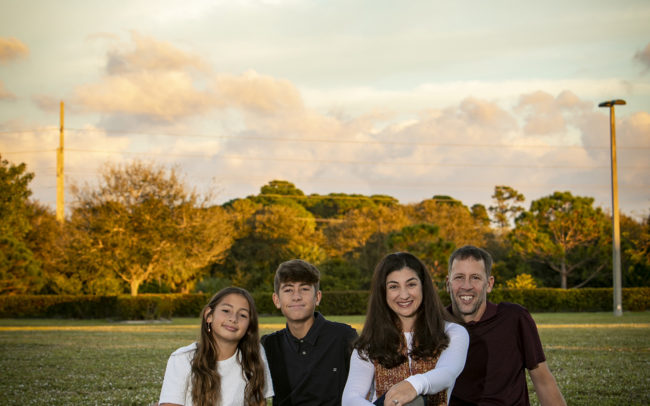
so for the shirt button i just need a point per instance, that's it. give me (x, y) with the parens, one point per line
(304, 353)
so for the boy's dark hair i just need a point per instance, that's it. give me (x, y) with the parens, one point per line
(476, 253)
(296, 270)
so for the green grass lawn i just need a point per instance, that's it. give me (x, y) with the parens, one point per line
(598, 359)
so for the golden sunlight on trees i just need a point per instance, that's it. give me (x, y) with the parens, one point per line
(424, 241)
(140, 228)
(565, 233)
(506, 208)
(454, 219)
(19, 270)
(142, 223)
(268, 235)
(522, 281)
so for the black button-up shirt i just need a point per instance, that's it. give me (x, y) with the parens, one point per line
(312, 370)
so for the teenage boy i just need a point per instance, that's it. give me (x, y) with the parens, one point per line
(310, 358)
(503, 340)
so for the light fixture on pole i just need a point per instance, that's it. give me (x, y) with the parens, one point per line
(616, 225)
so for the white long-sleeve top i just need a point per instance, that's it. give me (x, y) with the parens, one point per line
(450, 364)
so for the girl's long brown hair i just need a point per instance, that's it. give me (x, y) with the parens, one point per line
(206, 381)
(382, 339)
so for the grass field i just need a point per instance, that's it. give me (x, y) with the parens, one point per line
(598, 359)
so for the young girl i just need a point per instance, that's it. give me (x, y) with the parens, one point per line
(408, 346)
(227, 366)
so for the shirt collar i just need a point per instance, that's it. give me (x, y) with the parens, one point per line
(490, 311)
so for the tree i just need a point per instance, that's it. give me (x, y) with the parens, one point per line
(14, 198)
(456, 222)
(506, 208)
(336, 205)
(282, 188)
(46, 239)
(566, 234)
(480, 214)
(361, 236)
(19, 270)
(279, 192)
(142, 223)
(635, 250)
(425, 242)
(269, 235)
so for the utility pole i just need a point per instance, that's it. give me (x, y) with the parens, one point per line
(60, 208)
(616, 224)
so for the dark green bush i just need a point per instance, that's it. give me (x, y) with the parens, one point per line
(155, 306)
(264, 303)
(344, 302)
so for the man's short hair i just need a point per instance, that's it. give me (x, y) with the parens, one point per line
(296, 270)
(476, 253)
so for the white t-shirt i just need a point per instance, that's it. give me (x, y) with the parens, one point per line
(450, 364)
(177, 385)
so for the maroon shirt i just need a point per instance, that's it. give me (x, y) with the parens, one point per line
(502, 345)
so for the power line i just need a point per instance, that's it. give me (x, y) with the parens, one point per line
(354, 142)
(29, 152)
(349, 162)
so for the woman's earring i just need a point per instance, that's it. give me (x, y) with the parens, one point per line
(208, 326)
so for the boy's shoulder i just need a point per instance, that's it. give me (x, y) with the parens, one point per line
(335, 325)
(271, 337)
(337, 329)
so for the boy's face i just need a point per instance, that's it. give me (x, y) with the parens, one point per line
(297, 300)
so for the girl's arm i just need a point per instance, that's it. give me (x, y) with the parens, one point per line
(359, 381)
(449, 365)
(174, 385)
(268, 383)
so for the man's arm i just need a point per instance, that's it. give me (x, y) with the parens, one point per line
(545, 385)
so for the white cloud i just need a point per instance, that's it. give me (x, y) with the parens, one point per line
(11, 49)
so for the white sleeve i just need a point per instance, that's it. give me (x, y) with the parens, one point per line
(449, 365)
(176, 382)
(268, 383)
(360, 381)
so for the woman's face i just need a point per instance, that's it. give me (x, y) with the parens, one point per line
(404, 295)
(230, 318)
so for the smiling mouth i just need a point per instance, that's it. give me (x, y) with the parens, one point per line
(466, 298)
(231, 328)
(405, 304)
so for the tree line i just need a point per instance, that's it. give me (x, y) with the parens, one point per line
(142, 228)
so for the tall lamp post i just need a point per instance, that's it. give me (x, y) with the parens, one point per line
(616, 225)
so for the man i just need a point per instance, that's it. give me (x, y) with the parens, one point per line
(503, 340)
(310, 358)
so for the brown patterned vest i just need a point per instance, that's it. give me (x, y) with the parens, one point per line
(385, 378)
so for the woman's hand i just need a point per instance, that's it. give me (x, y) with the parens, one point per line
(400, 394)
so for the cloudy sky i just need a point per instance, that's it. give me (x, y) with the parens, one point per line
(409, 99)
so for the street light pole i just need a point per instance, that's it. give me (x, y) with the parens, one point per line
(616, 224)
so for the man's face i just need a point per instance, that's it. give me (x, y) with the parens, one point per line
(468, 286)
(297, 300)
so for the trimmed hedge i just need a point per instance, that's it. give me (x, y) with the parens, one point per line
(155, 306)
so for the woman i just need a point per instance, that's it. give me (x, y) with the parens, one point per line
(227, 366)
(408, 346)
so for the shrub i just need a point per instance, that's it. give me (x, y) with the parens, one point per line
(154, 306)
(522, 281)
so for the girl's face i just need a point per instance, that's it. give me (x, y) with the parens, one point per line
(404, 295)
(230, 318)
